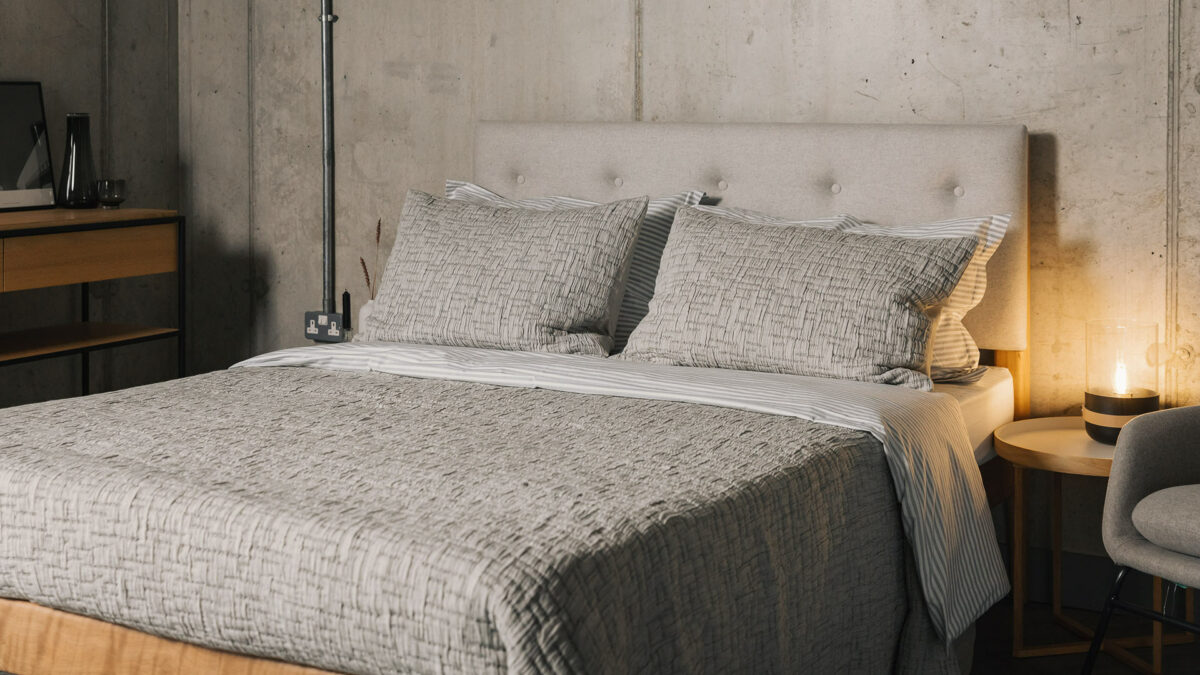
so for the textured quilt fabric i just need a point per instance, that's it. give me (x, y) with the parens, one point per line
(798, 300)
(643, 267)
(942, 503)
(481, 276)
(369, 523)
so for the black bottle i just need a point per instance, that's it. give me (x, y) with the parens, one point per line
(77, 190)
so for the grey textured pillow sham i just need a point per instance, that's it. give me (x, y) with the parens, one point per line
(466, 275)
(954, 356)
(798, 300)
(643, 267)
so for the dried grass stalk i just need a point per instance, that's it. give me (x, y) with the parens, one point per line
(367, 277)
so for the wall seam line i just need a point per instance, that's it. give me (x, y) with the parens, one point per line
(102, 308)
(251, 268)
(1171, 330)
(105, 89)
(184, 132)
(637, 61)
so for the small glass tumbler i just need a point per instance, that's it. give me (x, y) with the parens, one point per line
(111, 192)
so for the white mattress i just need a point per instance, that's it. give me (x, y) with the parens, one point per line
(985, 404)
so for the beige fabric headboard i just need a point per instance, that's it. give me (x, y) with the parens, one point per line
(889, 174)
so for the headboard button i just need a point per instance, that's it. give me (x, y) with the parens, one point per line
(618, 181)
(722, 185)
(959, 191)
(836, 188)
(520, 179)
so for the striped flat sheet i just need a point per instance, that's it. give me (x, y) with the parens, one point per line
(942, 502)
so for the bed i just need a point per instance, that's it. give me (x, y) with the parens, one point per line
(986, 405)
(372, 508)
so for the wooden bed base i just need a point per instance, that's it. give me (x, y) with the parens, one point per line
(997, 473)
(36, 640)
(1017, 364)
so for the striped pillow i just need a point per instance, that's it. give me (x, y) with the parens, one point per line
(647, 251)
(838, 222)
(954, 355)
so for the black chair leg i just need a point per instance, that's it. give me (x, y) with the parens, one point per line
(1102, 627)
(1169, 598)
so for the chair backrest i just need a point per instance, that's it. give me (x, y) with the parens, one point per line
(1154, 451)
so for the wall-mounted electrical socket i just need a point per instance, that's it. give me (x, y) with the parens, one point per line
(324, 327)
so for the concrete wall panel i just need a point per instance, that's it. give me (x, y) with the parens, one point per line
(1090, 83)
(141, 142)
(286, 169)
(412, 80)
(1184, 262)
(214, 156)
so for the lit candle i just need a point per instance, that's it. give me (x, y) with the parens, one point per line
(1120, 380)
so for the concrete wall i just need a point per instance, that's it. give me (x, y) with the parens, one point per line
(215, 154)
(116, 61)
(412, 79)
(1182, 264)
(1089, 83)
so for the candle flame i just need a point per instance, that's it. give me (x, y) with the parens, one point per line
(1120, 380)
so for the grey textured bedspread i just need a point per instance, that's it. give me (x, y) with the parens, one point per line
(371, 523)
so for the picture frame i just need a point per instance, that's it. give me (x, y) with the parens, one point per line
(26, 170)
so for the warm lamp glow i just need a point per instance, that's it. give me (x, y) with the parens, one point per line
(1122, 375)
(1120, 380)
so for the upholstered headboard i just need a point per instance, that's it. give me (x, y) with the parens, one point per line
(889, 174)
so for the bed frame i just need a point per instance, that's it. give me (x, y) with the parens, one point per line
(887, 173)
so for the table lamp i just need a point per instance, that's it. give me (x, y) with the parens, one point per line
(1122, 375)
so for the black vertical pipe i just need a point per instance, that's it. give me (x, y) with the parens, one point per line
(85, 363)
(181, 280)
(327, 19)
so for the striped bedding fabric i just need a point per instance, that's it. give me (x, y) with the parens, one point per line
(406, 509)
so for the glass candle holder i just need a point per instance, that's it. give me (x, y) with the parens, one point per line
(1122, 375)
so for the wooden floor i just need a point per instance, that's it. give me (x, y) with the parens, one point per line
(994, 639)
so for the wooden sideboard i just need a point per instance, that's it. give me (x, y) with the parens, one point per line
(63, 247)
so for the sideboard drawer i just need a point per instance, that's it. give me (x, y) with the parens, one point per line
(66, 258)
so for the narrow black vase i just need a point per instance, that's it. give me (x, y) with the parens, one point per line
(77, 190)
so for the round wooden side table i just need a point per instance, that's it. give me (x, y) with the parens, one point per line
(1060, 445)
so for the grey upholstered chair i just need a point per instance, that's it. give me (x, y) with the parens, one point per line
(1152, 510)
